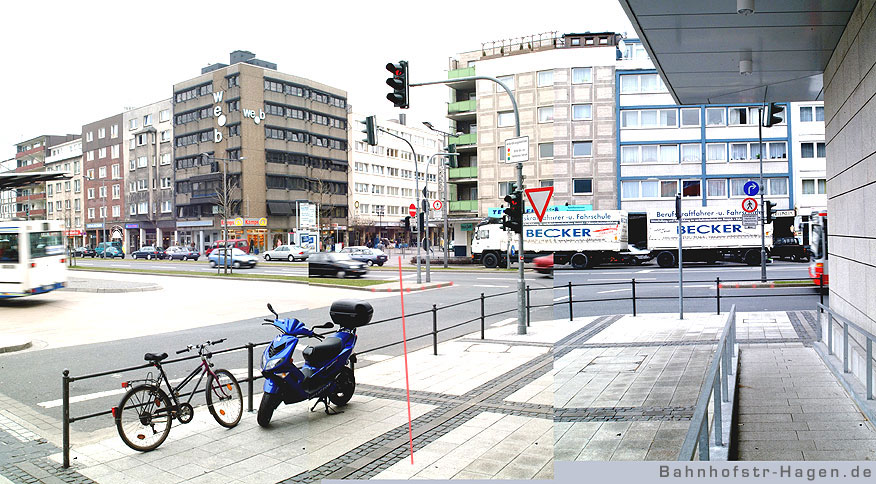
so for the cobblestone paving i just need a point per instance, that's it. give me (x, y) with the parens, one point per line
(23, 458)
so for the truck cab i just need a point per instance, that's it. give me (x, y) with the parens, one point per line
(490, 244)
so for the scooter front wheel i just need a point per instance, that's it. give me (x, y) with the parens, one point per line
(345, 385)
(270, 402)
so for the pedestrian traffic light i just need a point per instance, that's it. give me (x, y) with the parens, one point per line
(773, 115)
(399, 84)
(370, 130)
(513, 215)
(770, 210)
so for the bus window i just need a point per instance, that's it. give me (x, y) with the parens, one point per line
(9, 248)
(43, 244)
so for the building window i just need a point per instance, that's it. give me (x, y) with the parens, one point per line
(142, 162)
(89, 156)
(716, 188)
(91, 193)
(690, 188)
(90, 213)
(738, 116)
(582, 112)
(102, 191)
(165, 159)
(545, 78)
(101, 152)
(806, 113)
(115, 151)
(546, 183)
(778, 151)
(165, 135)
(582, 75)
(89, 136)
(115, 170)
(77, 185)
(116, 192)
(690, 117)
(738, 151)
(506, 119)
(164, 115)
(545, 150)
(668, 188)
(778, 186)
(147, 120)
(737, 187)
(101, 133)
(715, 116)
(581, 186)
(582, 148)
(546, 114)
(507, 80)
(141, 139)
(691, 153)
(102, 211)
(634, 83)
(132, 124)
(810, 150)
(101, 172)
(716, 152)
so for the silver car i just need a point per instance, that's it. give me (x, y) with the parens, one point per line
(287, 252)
(366, 255)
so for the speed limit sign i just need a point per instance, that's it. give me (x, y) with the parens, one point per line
(436, 205)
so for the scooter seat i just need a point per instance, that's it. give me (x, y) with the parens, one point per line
(154, 356)
(324, 351)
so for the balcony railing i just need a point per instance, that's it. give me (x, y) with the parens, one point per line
(464, 72)
(465, 139)
(464, 206)
(464, 172)
(462, 106)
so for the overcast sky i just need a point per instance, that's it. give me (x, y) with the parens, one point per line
(71, 63)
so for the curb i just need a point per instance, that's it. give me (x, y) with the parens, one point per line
(155, 287)
(762, 285)
(21, 344)
(423, 287)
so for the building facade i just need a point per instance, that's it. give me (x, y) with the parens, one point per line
(252, 142)
(148, 175)
(810, 166)
(104, 181)
(65, 199)
(7, 197)
(383, 181)
(30, 155)
(565, 90)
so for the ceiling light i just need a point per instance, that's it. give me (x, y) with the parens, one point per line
(745, 7)
(745, 67)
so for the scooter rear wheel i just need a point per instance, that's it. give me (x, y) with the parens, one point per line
(270, 402)
(345, 385)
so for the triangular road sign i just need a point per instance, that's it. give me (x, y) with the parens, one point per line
(539, 199)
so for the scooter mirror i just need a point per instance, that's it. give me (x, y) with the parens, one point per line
(327, 325)
(271, 309)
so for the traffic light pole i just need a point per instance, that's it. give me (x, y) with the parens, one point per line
(763, 276)
(521, 284)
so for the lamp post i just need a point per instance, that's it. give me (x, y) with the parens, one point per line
(224, 201)
(446, 186)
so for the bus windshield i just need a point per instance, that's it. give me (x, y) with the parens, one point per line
(44, 244)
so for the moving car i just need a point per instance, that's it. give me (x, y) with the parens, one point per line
(366, 255)
(789, 248)
(181, 253)
(112, 252)
(84, 252)
(287, 252)
(544, 264)
(336, 264)
(236, 257)
(148, 252)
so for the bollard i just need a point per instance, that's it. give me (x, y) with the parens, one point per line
(249, 352)
(571, 314)
(435, 329)
(821, 291)
(718, 293)
(528, 305)
(65, 419)
(633, 281)
(482, 315)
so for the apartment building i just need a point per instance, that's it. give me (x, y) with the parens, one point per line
(810, 163)
(104, 181)
(7, 197)
(705, 152)
(65, 199)
(275, 139)
(148, 175)
(30, 155)
(383, 180)
(565, 91)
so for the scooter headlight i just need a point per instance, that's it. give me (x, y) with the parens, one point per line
(271, 364)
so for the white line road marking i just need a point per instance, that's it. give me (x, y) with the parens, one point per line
(487, 285)
(612, 290)
(645, 271)
(492, 278)
(374, 357)
(239, 373)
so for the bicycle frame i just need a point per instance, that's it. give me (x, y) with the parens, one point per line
(200, 370)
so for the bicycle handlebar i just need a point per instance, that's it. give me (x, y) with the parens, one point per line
(207, 343)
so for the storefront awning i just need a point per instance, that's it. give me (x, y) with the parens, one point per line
(280, 208)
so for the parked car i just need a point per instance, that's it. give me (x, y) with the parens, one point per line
(98, 251)
(175, 252)
(544, 264)
(148, 252)
(84, 252)
(236, 257)
(366, 255)
(337, 264)
(287, 252)
(789, 248)
(112, 252)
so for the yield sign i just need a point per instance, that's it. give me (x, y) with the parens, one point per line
(539, 199)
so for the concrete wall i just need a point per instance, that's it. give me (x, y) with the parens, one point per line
(850, 125)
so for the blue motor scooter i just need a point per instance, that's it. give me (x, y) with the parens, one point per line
(327, 373)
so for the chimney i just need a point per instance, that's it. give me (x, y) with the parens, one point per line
(403, 119)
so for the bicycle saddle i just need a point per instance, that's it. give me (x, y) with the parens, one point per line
(154, 357)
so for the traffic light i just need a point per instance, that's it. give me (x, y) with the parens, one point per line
(399, 84)
(407, 223)
(770, 209)
(454, 163)
(513, 215)
(370, 130)
(773, 115)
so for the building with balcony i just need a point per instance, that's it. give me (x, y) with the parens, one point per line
(30, 155)
(810, 163)
(148, 175)
(7, 197)
(706, 152)
(564, 87)
(65, 199)
(104, 181)
(276, 139)
(383, 181)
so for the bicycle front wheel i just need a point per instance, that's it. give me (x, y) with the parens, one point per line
(224, 398)
(143, 417)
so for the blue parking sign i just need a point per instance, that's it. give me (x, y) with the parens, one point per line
(751, 188)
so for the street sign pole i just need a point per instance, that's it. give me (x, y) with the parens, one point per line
(680, 259)
(763, 277)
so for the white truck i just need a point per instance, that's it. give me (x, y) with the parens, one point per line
(709, 234)
(582, 238)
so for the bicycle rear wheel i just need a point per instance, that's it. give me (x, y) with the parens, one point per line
(224, 398)
(143, 417)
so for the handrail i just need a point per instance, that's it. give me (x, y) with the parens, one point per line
(698, 433)
(868, 337)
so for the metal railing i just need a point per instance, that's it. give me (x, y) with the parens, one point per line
(717, 388)
(847, 352)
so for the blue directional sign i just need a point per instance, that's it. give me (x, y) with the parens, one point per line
(751, 188)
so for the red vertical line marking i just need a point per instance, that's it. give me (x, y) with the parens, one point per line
(405, 345)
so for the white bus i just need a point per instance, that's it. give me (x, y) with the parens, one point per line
(32, 257)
